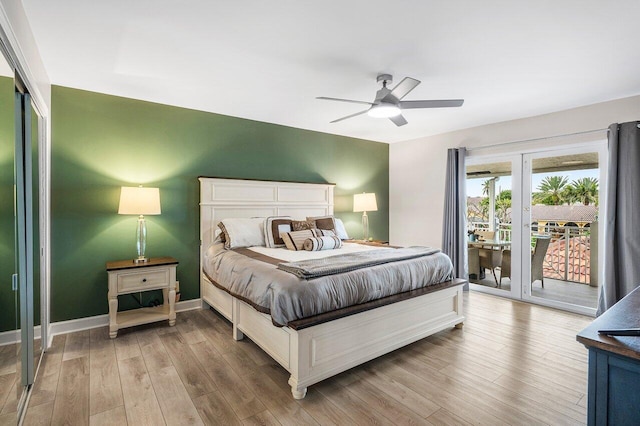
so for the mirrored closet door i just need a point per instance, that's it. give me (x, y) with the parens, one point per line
(9, 317)
(20, 247)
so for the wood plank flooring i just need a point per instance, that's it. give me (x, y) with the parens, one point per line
(512, 363)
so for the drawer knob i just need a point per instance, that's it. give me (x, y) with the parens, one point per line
(144, 280)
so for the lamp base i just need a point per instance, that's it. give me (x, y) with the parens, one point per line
(141, 243)
(365, 225)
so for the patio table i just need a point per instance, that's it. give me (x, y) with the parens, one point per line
(499, 244)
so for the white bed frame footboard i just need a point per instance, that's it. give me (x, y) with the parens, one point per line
(315, 353)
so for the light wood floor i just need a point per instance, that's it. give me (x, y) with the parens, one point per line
(10, 389)
(512, 363)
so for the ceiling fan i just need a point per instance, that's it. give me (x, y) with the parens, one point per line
(389, 104)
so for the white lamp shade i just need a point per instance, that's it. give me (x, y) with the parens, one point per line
(365, 202)
(138, 200)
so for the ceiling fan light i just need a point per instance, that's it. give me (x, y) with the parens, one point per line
(384, 110)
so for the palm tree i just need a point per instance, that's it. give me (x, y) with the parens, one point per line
(551, 190)
(485, 186)
(569, 195)
(585, 190)
(484, 208)
(503, 205)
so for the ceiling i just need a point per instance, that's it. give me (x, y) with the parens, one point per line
(268, 60)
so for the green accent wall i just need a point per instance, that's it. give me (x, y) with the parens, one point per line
(102, 142)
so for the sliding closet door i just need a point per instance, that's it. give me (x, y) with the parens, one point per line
(21, 248)
(9, 321)
(28, 239)
(25, 232)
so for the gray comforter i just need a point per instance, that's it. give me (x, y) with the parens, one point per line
(288, 298)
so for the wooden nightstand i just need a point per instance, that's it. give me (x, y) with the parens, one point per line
(125, 277)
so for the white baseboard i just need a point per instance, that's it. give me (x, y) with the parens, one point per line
(12, 336)
(63, 327)
(9, 337)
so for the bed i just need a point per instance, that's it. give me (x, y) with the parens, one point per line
(314, 348)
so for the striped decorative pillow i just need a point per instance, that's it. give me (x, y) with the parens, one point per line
(295, 240)
(324, 233)
(322, 243)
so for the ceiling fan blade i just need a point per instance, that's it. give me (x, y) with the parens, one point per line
(403, 88)
(398, 120)
(349, 116)
(344, 100)
(444, 103)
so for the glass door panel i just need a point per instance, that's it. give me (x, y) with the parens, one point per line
(490, 225)
(561, 224)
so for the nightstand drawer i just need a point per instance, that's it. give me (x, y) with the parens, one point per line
(141, 280)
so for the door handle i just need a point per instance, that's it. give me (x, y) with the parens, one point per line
(14, 282)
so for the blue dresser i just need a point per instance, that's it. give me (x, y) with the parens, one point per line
(614, 366)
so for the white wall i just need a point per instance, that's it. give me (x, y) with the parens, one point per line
(417, 168)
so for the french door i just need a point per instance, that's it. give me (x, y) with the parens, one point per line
(543, 211)
(563, 227)
(493, 194)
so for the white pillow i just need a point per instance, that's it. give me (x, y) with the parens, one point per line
(243, 232)
(341, 231)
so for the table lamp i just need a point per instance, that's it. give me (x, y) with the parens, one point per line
(140, 201)
(365, 202)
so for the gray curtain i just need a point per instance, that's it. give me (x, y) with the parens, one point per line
(454, 227)
(622, 215)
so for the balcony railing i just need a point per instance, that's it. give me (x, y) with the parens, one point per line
(569, 255)
(504, 229)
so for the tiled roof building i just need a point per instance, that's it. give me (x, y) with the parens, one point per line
(543, 214)
(578, 214)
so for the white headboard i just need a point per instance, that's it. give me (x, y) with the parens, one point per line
(226, 198)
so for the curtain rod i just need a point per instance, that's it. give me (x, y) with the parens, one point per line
(536, 139)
